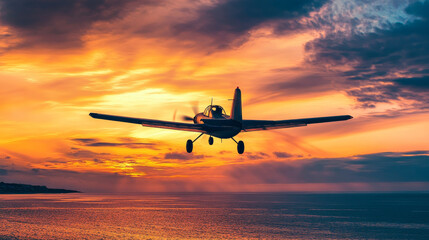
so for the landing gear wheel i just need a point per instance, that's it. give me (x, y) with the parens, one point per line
(240, 147)
(211, 140)
(189, 146)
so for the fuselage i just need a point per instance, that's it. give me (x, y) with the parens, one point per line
(217, 123)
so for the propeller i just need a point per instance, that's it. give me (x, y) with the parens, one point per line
(194, 106)
(187, 118)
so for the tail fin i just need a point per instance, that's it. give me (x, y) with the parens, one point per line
(236, 106)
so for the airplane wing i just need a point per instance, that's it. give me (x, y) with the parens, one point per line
(257, 125)
(152, 123)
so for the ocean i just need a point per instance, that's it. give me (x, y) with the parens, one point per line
(215, 216)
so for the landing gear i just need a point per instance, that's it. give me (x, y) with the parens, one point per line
(240, 146)
(189, 146)
(190, 143)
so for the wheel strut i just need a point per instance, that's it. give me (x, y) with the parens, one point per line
(190, 144)
(198, 137)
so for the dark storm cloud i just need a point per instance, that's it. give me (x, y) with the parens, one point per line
(125, 142)
(228, 21)
(379, 167)
(416, 153)
(417, 83)
(58, 23)
(3, 172)
(380, 59)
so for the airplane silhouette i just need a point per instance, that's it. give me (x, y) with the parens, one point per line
(215, 123)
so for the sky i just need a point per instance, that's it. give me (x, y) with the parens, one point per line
(60, 60)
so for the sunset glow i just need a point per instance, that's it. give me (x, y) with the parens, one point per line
(152, 59)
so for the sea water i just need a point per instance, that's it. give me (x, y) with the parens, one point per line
(215, 216)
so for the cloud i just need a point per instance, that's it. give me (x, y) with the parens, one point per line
(126, 142)
(308, 83)
(385, 65)
(380, 169)
(370, 168)
(283, 154)
(59, 24)
(228, 22)
(182, 156)
(256, 155)
(85, 140)
(154, 179)
(83, 154)
(5, 157)
(219, 24)
(311, 83)
(128, 145)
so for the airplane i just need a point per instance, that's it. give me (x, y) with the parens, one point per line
(216, 123)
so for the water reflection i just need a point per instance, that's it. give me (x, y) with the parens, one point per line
(203, 216)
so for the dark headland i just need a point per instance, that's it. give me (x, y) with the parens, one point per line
(16, 188)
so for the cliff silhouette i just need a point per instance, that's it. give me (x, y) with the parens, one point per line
(16, 188)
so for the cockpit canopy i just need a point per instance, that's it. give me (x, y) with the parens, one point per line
(214, 111)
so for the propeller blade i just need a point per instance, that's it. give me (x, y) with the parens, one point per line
(194, 106)
(174, 115)
(187, 118)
